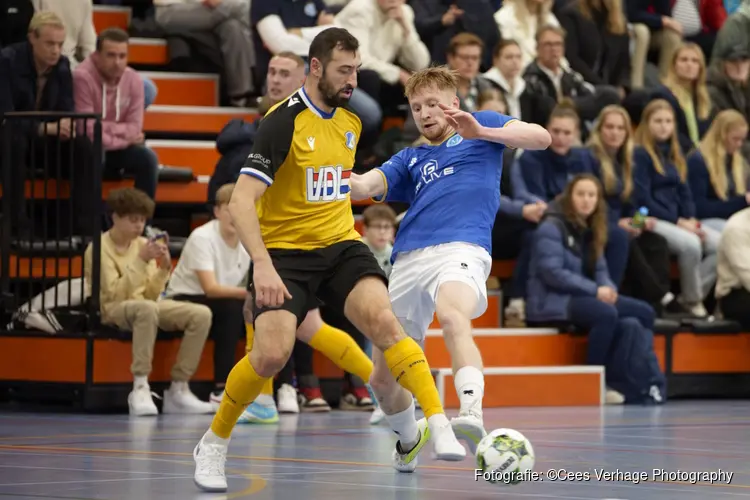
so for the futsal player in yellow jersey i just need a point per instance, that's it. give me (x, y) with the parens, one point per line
(293, 214)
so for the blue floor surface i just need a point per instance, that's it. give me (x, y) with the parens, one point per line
(339, 456)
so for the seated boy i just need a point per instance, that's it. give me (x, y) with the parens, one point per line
(134, 271)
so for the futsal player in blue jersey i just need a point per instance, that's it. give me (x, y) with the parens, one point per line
(442, 250)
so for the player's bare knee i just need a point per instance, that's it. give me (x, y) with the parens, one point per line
(454, 322)
(385, 328)
(273, 342)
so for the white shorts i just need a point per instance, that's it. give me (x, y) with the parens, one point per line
(417, 276)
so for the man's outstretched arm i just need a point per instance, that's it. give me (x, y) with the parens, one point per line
(368, 185)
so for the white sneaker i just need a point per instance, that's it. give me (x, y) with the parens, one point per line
(287, 399)
(469, 427)
(210, 459)
(215, 399)
(179, 399)
(407, 461)
(141, 402)
(446, 446)
(612, 397)
(377, 416)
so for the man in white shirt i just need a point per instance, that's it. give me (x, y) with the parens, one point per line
(212, 270)
(733, 269)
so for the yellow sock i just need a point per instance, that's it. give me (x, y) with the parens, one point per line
(340, 347)
(409, 367)
(249, 336)
(243, 386)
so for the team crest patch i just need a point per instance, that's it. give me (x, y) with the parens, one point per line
(350, 140)
(454, 141)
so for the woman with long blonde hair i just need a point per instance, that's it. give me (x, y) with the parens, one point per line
(660, 179)
(717, 171)
(610, 158)
(519, 20)
(684, 88)
(568, 277)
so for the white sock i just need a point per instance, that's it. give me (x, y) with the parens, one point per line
(265, 400)
(516, 304)
(669, 297)
(404, 424)
(469, 382)
(178, 386)
(140, 381)
(438, 422)
(211, 438)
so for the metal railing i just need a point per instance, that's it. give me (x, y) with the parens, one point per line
(51, 211)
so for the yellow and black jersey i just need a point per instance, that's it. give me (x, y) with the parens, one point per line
(306, 156)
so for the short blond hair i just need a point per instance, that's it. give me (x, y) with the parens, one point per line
(224, 195)
(45, 18)
(438, 77)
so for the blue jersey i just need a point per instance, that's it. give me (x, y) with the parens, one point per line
(453, 189)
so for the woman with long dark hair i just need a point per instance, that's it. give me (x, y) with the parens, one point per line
(568, 278)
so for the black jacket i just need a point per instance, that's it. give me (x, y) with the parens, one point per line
(15, 16)
(601, 57)
(21, 79)
(572, 83)
(234, 143)
(477, 19)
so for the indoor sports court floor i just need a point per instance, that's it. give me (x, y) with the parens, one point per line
(338, 456)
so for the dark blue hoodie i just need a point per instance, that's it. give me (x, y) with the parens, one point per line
(666, 196)
(707, 202)
(234, 143)
(617, 208)
(541, 175)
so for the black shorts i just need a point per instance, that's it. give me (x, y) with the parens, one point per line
(325, 275)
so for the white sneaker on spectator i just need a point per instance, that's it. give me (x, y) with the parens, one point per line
(215, 399)
(287, 399)
(141, 401)
(179, 399)
(612, 397)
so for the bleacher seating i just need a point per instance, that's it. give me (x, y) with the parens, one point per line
(533, 366)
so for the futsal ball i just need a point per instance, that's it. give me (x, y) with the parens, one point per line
(505, 457)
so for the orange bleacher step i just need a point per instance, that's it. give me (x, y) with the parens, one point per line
(111, 16)
(532, 386)
(151, 51)
(184, 89)
(201, 156)
(193, 119)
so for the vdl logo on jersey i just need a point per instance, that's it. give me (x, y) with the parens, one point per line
(327, 184)
(431, 172)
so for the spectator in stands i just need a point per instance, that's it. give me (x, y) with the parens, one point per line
(568, 278)
(728, 84)
(733, 282)
(438, 21)
(15, 16)
(597, 44)
(684, 88)
(134, 271)
(387, 36)
(464, 56)
(506, 74)
(492, 100)
(735, 33)
(104, 84)
(548, 76)
(610, 157)
(286, 73)
(654, 26)
(38, 78)
(285, 26)
(522, 21)
(80, 34)
(543, 175)
(660, 178)
(212, 269)
(229, 21)
(717, 172)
